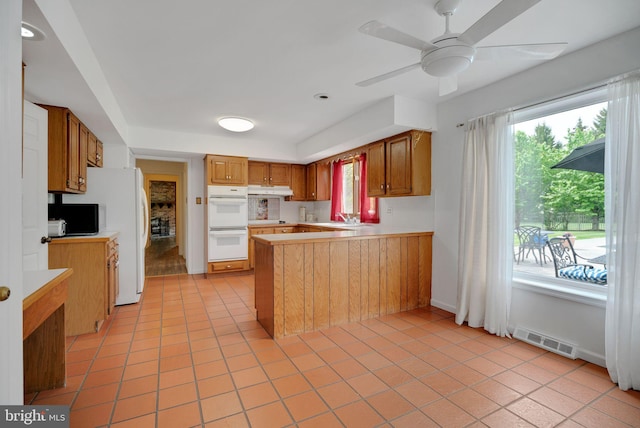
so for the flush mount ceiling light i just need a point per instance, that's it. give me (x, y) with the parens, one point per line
(30, 32)
(235, 124)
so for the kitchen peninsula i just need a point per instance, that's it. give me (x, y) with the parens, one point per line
(309, 281)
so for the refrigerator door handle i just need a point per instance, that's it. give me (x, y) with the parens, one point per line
(145, 217)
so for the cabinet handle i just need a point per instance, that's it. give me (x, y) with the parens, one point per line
(388, 187)
(270, 178)
(382, 187)
(98, 157)
(228, 267)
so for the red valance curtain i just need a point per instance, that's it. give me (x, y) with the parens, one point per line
(368, 206)
(336, 191)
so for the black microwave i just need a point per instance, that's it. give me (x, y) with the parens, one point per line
(81, 219)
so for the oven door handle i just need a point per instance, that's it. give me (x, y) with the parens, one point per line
(217, 201)
(228, 232)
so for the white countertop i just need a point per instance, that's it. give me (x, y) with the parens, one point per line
(107, 234)
(34, 280)
(347, 231)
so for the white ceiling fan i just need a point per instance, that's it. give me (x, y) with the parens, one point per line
(451, 53)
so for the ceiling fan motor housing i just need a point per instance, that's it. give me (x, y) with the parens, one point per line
(448, 60)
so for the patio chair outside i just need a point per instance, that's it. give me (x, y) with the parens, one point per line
(565, 261)
(531, 240)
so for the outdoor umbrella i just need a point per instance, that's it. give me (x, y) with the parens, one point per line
(589, 157)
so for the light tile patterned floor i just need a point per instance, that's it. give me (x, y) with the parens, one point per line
(192, 354)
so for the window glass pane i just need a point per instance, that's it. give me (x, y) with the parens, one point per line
(558, 201)
(347, 188)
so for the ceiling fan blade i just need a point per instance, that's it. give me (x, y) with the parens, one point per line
(533, 52)
(447, 85)
(388, 75)
(504, 12)
(384, 32)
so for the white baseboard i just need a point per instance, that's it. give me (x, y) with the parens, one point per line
(443, 306)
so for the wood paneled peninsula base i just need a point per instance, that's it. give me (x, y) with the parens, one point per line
(309, 281)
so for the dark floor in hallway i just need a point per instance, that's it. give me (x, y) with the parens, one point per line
(162, 258)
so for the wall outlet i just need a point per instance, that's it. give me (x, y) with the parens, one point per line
(389, 210)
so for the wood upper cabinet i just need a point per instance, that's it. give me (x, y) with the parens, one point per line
(298, 183)
(269, 174)
(94, 151)
(400, 165)
(318, 181)
(82, 157)
(67, 151)
(226, 170)
(376, 172)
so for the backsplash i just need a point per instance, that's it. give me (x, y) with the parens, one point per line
(275, 208)
(261, 208)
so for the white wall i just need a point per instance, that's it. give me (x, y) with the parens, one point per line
(579, 323)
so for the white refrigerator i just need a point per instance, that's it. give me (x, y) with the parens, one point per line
(123, 208)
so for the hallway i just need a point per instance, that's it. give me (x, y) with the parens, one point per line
(162, 258)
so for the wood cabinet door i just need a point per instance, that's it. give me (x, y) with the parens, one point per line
(73, 151)
(99, 152)
(298, 182)
(82, 158)
(237, 171)
(311, 182)
(376, 169)
(323, 182)
(399, 165)
(252, 244)
(217, 170)
(92, 150)
(280, 174)
(111, 285)
(258, 173)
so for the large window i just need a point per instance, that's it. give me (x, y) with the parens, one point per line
(349, 200)
(350, 187)
(558, 201)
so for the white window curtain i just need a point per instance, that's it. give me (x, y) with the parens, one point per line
(622, 205)
(485, 251)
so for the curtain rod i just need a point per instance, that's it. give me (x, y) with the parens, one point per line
(573, 94)
(528, 106)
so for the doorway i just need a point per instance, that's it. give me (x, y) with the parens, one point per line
(163, 255)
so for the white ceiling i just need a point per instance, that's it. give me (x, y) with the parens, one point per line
(179, 65)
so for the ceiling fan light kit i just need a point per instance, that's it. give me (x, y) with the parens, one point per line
(452, 53)
(448, 60)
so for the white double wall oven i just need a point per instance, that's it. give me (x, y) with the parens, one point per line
(227, 223)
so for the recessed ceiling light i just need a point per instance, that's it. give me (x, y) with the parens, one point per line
(236, 124)
(30, 32)
(321, 96)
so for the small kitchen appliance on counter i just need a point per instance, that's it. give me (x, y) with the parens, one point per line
(57, 228)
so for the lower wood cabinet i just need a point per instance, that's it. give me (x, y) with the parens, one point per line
(252, 245)
(228, 266)
(93, 287)
(308, 285)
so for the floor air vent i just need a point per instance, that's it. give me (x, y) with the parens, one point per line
(546, 342)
